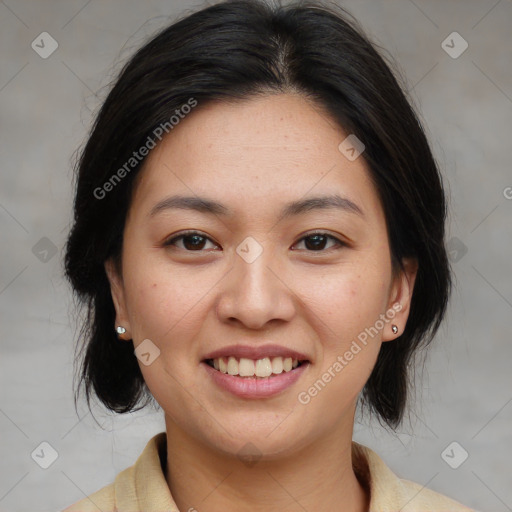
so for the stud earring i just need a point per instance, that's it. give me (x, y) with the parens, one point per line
(120, 329)
(394, 328)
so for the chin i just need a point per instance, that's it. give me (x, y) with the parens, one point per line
(248, 441)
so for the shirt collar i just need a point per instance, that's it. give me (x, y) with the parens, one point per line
(143, 486)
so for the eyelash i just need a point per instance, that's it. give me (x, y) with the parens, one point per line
(172, 241)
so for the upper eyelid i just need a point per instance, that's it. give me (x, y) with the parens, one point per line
(178, 236)
(324, 233)
(339, 241)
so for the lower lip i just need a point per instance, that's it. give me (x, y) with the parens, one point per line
(255, 387)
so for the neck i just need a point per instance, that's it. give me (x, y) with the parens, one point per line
(320, 477)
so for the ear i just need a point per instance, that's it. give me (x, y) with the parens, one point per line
(400, 299)
(118, 297)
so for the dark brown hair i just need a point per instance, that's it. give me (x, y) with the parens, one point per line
(233, 50)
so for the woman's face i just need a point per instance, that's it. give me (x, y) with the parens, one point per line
(254, 283)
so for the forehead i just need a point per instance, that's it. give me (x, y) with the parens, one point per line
(255, 155)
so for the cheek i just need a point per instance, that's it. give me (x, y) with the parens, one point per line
(159, 299)
(164, 307)
(344, 302)
(343, 307)
(169, 304)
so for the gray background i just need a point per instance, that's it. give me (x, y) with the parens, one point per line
(46, 107)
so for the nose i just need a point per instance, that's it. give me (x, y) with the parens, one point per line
(256, 293)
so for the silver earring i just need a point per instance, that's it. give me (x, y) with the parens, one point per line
(394, 328)
(120, 329)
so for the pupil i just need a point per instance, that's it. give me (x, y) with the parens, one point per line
(316, 238)
(197, 241)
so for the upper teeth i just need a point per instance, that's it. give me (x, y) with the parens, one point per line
(250, 368)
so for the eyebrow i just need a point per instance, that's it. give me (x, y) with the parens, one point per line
(204, 205)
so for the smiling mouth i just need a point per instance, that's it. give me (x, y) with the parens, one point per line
(250, 368)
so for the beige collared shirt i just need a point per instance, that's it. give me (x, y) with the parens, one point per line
(143, 487)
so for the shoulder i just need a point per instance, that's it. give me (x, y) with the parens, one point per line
(136, 485)
(104, 500)
(389, 493)
(418, 498)
(121, 492)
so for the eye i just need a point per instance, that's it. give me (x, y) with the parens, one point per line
(192, 241)
(316, 241)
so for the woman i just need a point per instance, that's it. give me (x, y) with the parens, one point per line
(259, 238)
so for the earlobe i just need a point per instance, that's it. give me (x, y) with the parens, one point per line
(400, 299)
(121, 326)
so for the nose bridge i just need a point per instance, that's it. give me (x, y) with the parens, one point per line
(254, 279)
(255, 295)
(253, 273)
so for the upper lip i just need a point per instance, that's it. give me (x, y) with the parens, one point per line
(259, 352)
